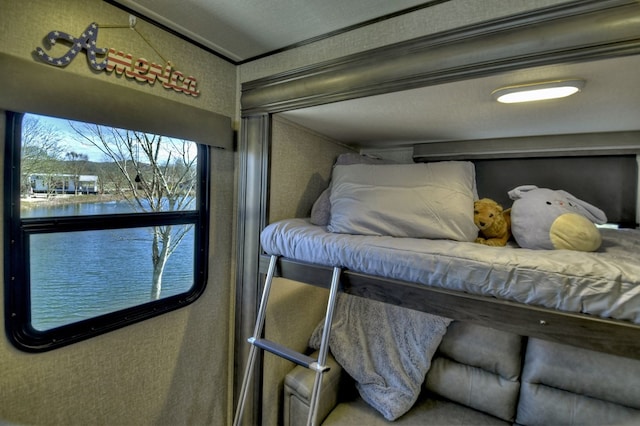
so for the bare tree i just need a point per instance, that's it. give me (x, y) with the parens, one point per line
(40, 151)
(155, 174)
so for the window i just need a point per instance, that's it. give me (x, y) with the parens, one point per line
(106, 227)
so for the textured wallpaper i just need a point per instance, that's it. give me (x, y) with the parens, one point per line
(301, 164)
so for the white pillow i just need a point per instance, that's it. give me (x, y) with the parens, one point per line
(427, 200)
(321, 209)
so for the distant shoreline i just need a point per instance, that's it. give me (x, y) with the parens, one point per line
(62, 199)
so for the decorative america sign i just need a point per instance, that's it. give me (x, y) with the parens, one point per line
(116, 62)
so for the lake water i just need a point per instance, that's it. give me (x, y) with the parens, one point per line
(79, 275)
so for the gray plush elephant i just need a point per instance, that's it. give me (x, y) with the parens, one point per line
(543, 218)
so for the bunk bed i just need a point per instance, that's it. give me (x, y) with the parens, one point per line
(584, 299)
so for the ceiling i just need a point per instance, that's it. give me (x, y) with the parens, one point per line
(465, 110)
(243, 29)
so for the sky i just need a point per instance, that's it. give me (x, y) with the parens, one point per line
(70, 139)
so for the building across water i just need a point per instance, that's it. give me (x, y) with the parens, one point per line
(63, 183)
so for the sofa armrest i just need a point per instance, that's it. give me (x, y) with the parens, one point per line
(298, 386)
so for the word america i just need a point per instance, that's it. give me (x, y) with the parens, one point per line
(140, 69)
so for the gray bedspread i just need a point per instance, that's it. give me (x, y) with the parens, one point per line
(605, 283)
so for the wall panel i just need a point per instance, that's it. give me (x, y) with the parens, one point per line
(300, 169)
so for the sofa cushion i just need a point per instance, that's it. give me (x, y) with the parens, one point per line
(492, 350)
(568, 385)
(428, 410)
(478, 367)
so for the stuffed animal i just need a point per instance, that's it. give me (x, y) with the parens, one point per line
(493, 222)
(542, 218)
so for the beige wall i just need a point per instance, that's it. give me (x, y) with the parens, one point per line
(172, 369)
(300, 169)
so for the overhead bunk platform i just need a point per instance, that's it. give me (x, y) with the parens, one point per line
(585, 299)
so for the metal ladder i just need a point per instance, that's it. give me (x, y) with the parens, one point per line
(317, 365)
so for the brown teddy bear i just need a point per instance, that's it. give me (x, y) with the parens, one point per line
(493, 222)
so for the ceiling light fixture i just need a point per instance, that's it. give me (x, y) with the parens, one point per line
(537, 91)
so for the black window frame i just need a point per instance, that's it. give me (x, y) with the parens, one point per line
(17, 231)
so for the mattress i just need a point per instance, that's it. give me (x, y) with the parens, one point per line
(605, 283)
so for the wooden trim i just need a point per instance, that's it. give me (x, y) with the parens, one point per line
(581, 31)
(581, 330)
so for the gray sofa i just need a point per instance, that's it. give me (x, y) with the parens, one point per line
(478, 376)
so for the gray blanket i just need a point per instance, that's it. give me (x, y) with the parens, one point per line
(386, 349)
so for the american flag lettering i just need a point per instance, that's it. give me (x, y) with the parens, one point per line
(116, 62)
(87, 41)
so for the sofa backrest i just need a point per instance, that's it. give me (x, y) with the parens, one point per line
(478, 367)
(567, 385)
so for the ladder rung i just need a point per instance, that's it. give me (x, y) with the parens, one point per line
(289, 354)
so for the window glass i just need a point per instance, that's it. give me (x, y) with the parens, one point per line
(75, 276)
(82, 169)
(106, 228)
